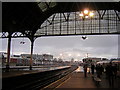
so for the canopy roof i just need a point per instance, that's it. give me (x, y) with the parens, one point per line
(27, 17)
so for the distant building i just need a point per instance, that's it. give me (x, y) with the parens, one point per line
(24, 60)
(39, 59)
(26, 56)
(17, 60)
(3, 58)
(47, 57)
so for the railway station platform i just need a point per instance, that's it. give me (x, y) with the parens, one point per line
(77, 80)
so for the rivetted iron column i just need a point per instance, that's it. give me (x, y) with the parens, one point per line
(8, 53)
(31, 55)
(32, 39)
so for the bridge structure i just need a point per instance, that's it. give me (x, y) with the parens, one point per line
(38, 19)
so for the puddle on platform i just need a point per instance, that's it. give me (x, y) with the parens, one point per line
(79, 69)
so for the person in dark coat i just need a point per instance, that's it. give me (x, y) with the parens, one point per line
(115, 71)
(92, 68)
(110, 74)
(98, 70)
(101, 69)
(85, 70)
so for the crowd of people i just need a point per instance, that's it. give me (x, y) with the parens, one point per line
(110, 70)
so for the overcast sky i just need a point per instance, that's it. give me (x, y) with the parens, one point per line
(67, 47)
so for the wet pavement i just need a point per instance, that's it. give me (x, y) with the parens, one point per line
(77, 80)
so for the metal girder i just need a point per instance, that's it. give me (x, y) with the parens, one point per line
(101, 14)
(117, 14)
(14, 35)
(4, 34)
(70, 23)
(103, 22)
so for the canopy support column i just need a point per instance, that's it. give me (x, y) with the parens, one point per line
(31, 55)
(32, 39)
(8, 53)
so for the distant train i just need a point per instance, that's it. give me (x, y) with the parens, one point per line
(116, 61)
(104, 62)
(108, 61)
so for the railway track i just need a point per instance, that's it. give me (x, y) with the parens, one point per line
(35, 81)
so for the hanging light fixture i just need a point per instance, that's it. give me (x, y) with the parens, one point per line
(86, 13)
(91, 14)
(22, 42)
(84, 37)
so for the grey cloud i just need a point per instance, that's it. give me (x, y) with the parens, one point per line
(102, 41)
(57, 42)
(95, 45)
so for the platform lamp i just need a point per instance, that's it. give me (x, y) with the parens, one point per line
(22, 41)
(86, 13)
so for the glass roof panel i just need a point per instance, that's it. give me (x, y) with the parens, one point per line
(43, 6)
(108, 24)
(46, 5)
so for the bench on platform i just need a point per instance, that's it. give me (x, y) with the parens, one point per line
(97, 80)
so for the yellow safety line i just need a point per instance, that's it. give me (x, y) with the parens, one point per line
(54, 82)
(62, 83)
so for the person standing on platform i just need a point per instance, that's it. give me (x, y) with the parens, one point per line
(110, 74)
(115, 71)
(101, 69)
(85, 70)
(98, 70)
(92, 68)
